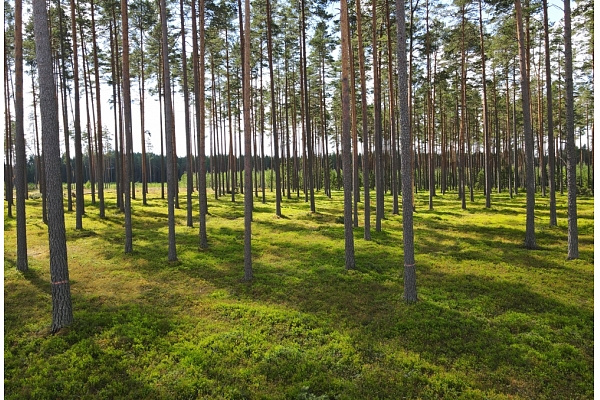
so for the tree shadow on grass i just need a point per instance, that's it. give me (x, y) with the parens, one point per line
(101, 355)
(499, 335)
(463, 321)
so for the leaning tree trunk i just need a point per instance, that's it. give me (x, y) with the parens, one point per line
(62, 312)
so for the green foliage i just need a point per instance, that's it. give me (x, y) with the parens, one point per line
(493, 320)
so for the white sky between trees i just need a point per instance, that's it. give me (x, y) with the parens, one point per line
(152, 109)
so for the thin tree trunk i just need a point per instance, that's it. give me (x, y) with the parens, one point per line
(8, 173)
(463, 112)
(127, 120)
(394, 166)
(273, 115)
(309, 143)
(142, 81)
(365, 127)
(99, 145)
(379, 188)
(171, 178)
(188, 134)
(410, 275)
(551, 158)
(198, 61)
(572, 236)
(514, 125)
(230, 127)
(40, 156)
(355, 175)
(20, 159)
(529, 173)
(63, 74)
(346, 137)
(88, 83)
(486, 130)
(79, 210)
(247, 146)
(510, 186)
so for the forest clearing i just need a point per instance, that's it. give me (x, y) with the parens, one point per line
(493, 319)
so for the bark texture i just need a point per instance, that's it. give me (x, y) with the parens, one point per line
(247, 148)
(528, 133)
(572, 236)
(346, 138)
(21, 163)
(62, 313)
(410, 274)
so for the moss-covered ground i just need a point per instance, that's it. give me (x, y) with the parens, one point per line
(493, 320)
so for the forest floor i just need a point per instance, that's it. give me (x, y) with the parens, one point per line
(493, 320)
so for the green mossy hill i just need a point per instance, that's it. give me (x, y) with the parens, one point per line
(493, 320)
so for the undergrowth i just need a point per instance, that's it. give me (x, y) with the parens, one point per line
(493, 320)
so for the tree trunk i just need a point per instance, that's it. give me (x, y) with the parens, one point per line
(393, 146)
(63, 74)
(410, 275)
(21, 161)
(573, 239)
(40, 157)
(198, 61)
(379, 182)
(188, 139)
(463, 113)
(273, 115)
(529, 173)
(99, 144)
(346, 137)
(77, 125)
(142, 81)
(486, 130)
(365, 127)
(127, 120)
(309, 143)
(247, 146)
(88, 84)
(62, 312)
(551, 158)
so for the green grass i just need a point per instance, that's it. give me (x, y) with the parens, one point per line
(493, 320)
